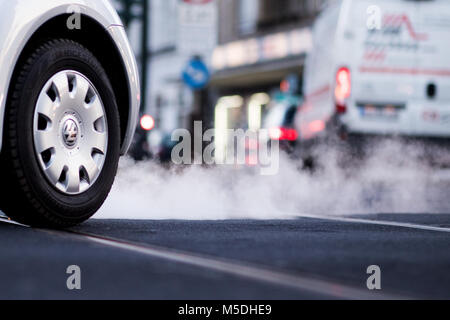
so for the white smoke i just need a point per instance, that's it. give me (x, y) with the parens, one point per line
(393, 179)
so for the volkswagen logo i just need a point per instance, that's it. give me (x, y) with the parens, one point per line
(70, 133)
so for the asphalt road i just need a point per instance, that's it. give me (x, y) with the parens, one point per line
(305, 258)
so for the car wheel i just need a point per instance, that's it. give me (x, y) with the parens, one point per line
(61, 137)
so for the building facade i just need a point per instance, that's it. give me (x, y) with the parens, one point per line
(250, 46)
(262, 44)
(178, 31)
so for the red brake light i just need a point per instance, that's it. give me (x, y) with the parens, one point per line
(283, 134)
(343, 88)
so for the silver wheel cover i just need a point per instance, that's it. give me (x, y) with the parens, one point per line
(70, 132)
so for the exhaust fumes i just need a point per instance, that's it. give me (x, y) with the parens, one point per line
(395, 177)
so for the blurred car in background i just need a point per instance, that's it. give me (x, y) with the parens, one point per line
(279, 121)
(378, 68)
(161, 145)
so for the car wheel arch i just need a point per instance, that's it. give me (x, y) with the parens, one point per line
(96, 38)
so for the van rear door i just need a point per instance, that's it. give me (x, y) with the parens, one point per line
(386, 41)
(433, 103)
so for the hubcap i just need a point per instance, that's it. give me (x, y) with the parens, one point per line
(70, 132)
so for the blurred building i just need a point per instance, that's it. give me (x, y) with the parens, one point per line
(249, 47)
(262, 44)
(177, 31)
(262, 40)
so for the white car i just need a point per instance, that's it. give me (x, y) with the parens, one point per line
(69, 100)
(378, 68)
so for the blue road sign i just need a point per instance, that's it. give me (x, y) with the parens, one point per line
(196, 74)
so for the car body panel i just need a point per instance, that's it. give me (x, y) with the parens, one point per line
(20, 19)
(120, 38)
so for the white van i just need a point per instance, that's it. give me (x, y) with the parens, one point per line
(379, 67)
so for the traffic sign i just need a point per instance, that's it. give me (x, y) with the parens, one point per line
(196, 74)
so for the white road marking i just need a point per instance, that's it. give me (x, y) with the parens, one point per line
(9, 221)
(331, 218)
(302, 283)
(376, 222)
(321, 287)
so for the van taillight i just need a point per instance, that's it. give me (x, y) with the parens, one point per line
(343, 89)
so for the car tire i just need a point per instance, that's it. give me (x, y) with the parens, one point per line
(30, 192)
